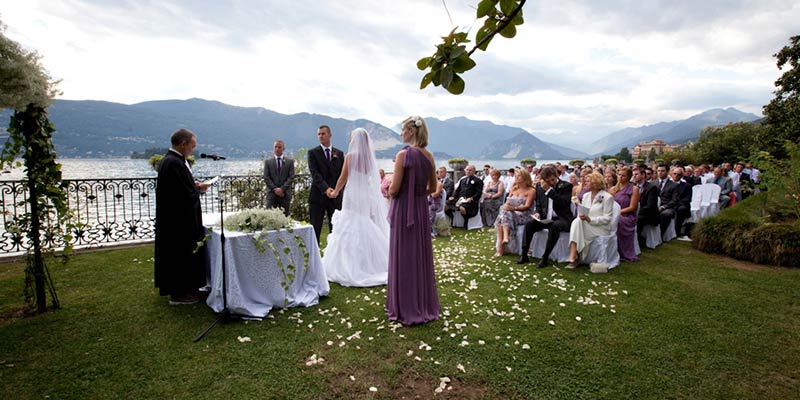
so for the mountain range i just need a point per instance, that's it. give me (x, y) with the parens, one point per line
(98, 129)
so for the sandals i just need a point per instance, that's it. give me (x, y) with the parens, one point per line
(572, 264)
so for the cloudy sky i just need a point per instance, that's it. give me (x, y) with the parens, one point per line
(585, 67)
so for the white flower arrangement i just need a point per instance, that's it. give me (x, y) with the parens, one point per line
(255, 219)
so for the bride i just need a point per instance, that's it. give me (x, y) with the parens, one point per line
(357, 253)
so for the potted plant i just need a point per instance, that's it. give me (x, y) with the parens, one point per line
(527, 161)
(611, 161)
(457, 164)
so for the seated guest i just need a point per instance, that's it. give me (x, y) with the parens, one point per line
(576, 186)
(448, 187)
(515, 212)
(669, 196)
(436, 204)
(610, 178)
(486, 176)
(470, 189)
(492, 198)
(584, 184)
(725, 183)
(689, 177)
(648, 203)
(597, 223)
(553, 212)
(708, 173)
(562, 169)
(626, 194)
(534, 174)
(683, 210)
(508, 179)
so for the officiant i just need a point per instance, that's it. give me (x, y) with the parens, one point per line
(179, 269)
(467, 195)
(278, 176)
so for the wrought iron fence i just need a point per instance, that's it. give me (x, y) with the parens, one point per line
(119, 210)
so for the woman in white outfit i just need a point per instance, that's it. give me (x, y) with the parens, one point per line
(596, 223)
(357, 253)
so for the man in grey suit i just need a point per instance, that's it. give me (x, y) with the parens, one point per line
(726, 186)
(279, 175)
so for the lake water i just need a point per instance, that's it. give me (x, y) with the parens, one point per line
(84, 168)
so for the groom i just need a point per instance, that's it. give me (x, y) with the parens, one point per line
(325, 163)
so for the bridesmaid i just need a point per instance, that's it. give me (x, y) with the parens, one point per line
(411, 296)
(626, 194)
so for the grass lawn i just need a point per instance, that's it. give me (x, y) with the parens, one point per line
(678, 324)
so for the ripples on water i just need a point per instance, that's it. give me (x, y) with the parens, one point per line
(82, 168)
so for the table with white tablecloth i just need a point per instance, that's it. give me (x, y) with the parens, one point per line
(254, 275)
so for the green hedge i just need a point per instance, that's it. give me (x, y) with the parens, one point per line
(750, 231)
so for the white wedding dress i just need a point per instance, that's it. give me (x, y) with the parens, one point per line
(357, 253)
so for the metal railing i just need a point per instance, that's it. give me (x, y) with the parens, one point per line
(120, 210)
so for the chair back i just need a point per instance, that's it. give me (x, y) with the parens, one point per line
(713, 191)
(697, 198)
(615, 212)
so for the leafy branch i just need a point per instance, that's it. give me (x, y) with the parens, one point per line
(452, 58)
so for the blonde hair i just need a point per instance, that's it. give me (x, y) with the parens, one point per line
(420, 130)
(526, 177)
(596, 181)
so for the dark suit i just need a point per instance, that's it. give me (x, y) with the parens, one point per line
(725, 193)
(469, 187)
(282, 180)
(324, 175)
(561, 196)
(683, 211)
(648, 208)
(179, 270)
(670, 196)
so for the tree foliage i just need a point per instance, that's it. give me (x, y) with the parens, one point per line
(782, 114)
(452, 59)
(26, 87)
(729, 143)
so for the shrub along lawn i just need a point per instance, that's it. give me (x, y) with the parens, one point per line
(677, 324)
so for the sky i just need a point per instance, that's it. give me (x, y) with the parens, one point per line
(575, 67)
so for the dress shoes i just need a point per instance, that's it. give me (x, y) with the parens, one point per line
(542, 263)
(183, 299)
(523, 259)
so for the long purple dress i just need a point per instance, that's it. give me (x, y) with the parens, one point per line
(626, 227)
(411, 296)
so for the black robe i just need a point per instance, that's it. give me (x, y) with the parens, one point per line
(179, 226)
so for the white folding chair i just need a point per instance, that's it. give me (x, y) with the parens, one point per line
(603, 249)
(473, 223)
(695, 204)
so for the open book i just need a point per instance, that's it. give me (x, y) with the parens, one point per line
(212, 180)
(583, 210)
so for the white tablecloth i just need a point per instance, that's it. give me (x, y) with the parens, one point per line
(254, 277)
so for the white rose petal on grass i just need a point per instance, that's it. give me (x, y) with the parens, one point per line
(352, 378)
(243, 339)
(461, 368)
(508, 369)
(373, 389)
(551, 322)
(526, 347)
(578, 319)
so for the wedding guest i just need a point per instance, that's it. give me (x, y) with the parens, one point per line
(487, 174)
(669, 196)
(554, 213)
(469, 191)
(589, 226)
(648, 203)
(517, 211)
(725, 183)
(436, 204)
(508, 179)
(576, 186)
(492, 198)
(278, 176)
(411, 296)
(626, 194)
(179, 269)
(610, 178)
(325, 163)
(562, 169)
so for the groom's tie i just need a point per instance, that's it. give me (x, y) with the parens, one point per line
(328, 155)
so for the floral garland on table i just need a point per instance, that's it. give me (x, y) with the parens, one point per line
(261, 221)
